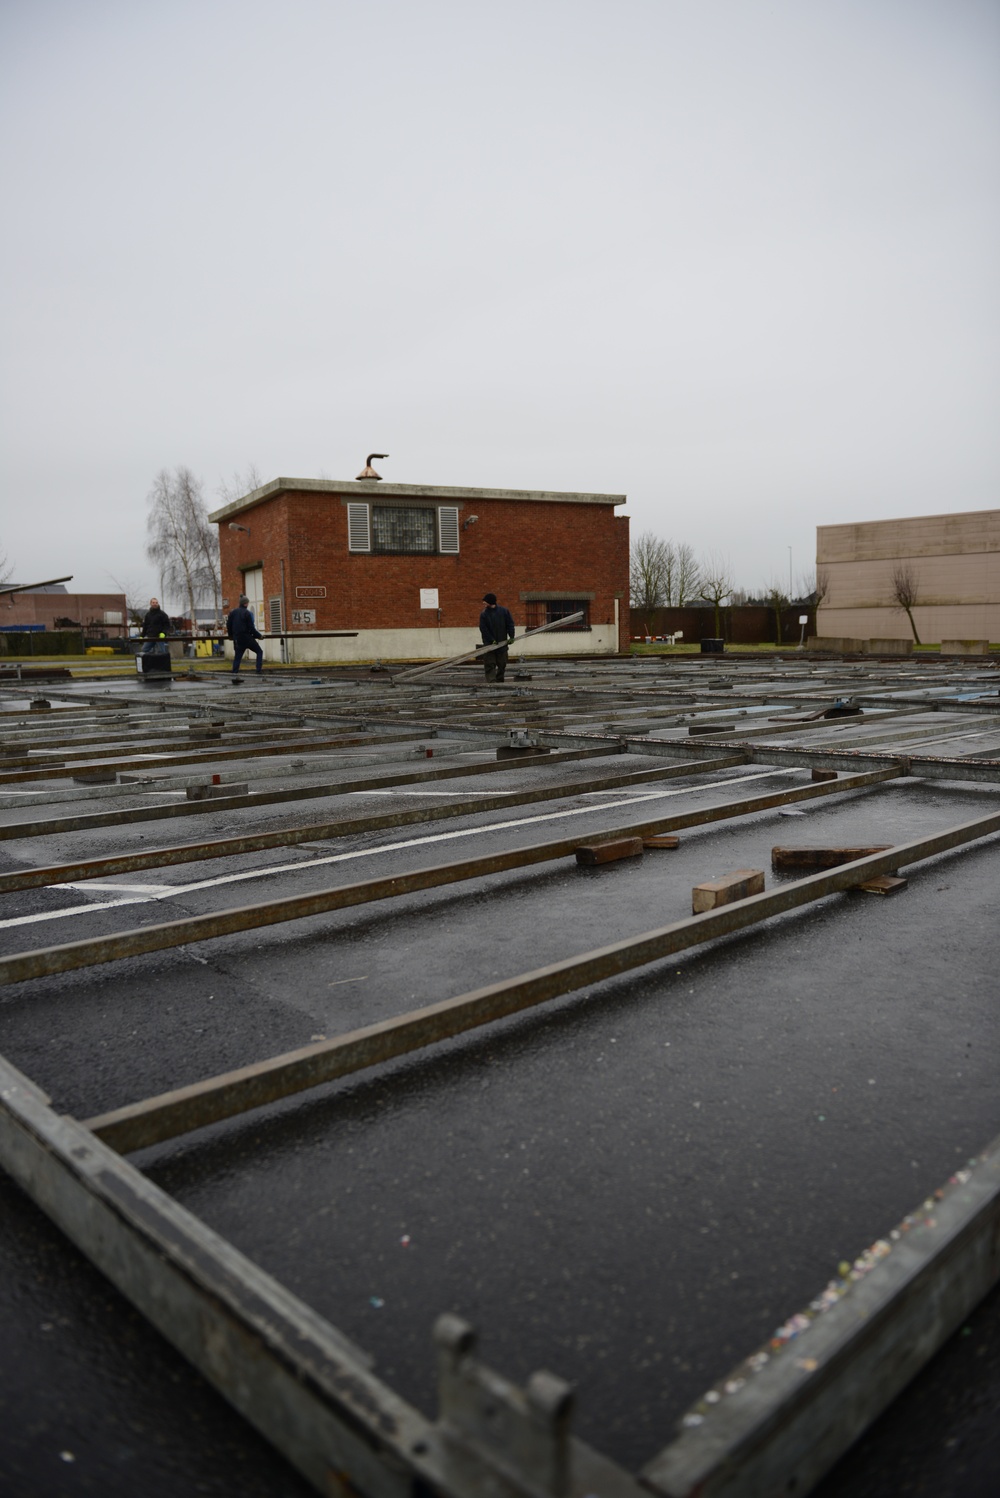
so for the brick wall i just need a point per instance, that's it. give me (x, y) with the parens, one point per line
(86, 609)
(515, 547)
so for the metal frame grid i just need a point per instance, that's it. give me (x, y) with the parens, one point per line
(292, 1374)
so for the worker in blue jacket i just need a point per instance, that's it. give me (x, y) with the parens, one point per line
(496, 627)
(242, 630)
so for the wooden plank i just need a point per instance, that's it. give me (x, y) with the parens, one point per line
(594, 853)
(885, 884)
(737, 886)
(821, 858)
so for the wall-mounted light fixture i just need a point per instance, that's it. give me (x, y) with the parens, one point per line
(471, 520)
(234, 527)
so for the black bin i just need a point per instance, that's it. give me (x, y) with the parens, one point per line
(154, 663)
(712, 647)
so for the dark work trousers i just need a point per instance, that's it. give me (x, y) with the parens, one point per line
(240, 648)
(495, 663)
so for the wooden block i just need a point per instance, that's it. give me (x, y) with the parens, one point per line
(595, 853)
(207, 792)
(661, 840)
(825, 775)
(707, 728)
(736, 886)
(821, 858)
(884, 884)
(521, 751)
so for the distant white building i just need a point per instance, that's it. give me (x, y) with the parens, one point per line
(954, 561)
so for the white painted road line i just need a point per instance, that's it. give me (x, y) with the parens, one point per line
(171, 891)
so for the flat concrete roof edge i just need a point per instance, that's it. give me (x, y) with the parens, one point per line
(364, 489)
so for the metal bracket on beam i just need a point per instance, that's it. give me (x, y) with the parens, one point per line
(495, 1436)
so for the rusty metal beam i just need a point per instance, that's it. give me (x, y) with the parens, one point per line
(192, 757)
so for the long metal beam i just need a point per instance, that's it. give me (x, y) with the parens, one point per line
(69, 956)
(105, 760)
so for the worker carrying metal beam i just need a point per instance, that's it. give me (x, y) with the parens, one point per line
(496, 625)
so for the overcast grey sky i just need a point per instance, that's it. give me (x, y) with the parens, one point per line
(735, 258)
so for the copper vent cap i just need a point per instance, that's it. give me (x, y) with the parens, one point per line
(368, 471)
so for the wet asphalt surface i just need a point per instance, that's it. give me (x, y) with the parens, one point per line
(632, 1187)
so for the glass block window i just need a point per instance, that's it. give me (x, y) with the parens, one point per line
(539, 611)
(404, 528)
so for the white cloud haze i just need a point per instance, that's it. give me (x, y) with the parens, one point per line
(735, 259)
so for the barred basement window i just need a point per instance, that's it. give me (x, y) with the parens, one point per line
(539, 611)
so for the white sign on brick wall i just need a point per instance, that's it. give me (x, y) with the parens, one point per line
(429, 598)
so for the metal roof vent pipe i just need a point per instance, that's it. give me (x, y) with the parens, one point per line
(368, 471)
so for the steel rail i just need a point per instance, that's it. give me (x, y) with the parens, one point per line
(107, 761)
(183, 1109)
(348, 825)
(926, 766)
(69, 956)
(172, 736)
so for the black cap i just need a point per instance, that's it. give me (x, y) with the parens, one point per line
(490, 598)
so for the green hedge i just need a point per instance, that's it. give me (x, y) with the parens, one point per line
(41, 642)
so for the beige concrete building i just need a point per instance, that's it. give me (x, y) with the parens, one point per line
(954, 560)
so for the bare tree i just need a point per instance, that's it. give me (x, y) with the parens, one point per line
(687, 575)
(135, 602)
(651, 563)
(6, 568)
(182, 541)
(240, 485)
(813, 586)
(906, 593)
(776, 599)
(716, 582)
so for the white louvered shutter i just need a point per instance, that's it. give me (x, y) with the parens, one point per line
(358, 532)
(448, 528)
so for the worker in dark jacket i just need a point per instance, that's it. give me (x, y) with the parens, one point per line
(496, 626)
(155, 628)
(242, 630)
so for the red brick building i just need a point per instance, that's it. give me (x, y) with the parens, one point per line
(402, 568)
(51, 607)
